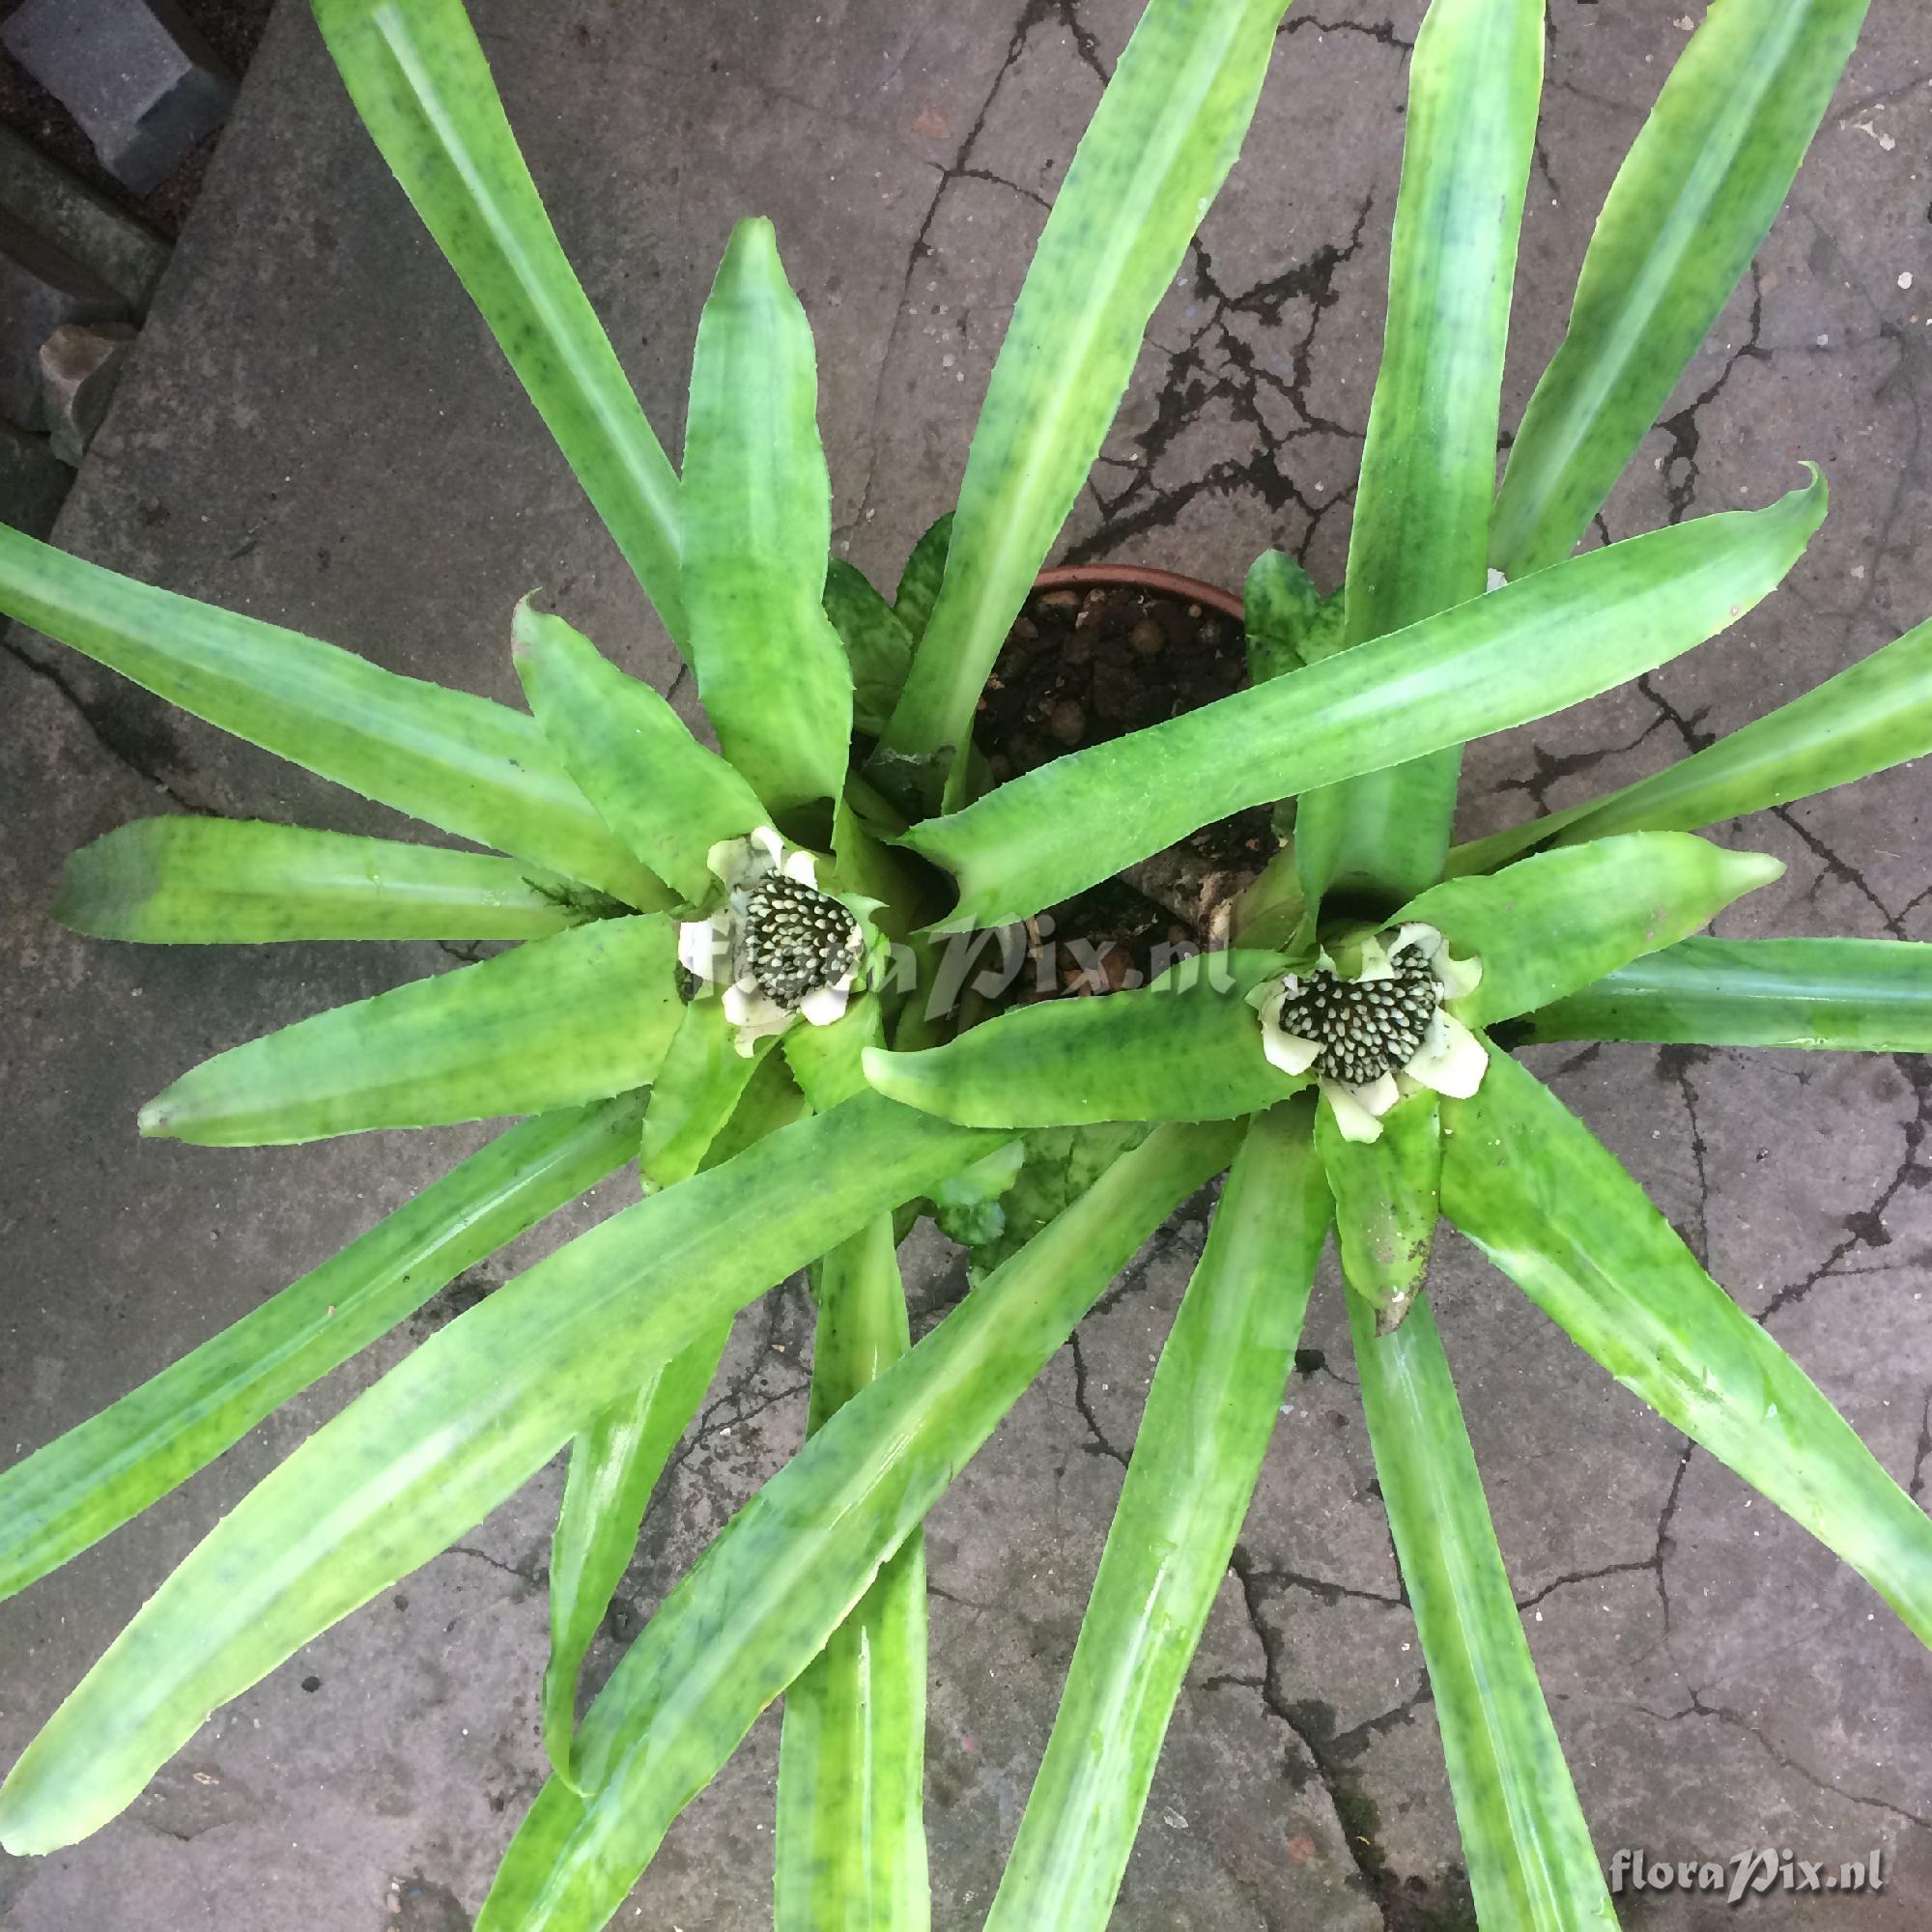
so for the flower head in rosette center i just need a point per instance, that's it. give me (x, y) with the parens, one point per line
(1381, 1031)
(779, 947)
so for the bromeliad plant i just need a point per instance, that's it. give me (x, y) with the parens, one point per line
(725, 970)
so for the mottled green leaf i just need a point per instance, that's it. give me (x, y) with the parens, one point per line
(1386, 1193)
(615, 1465)
(1549, 1205)
(431, 1449)
(228, 881)
(668, 798)
(919, 581)
(1060, 1164)
(1530, 1862)
(697, 1089)
(1209, 1412)
(1420, 536)
(1865, 720)
(1154, 155)
(851, 1839)
(452, 759)
(1481, 667)
(1858, 995)
(98, 1476)
(1547, 926)
(878, 647)
(1186, 1049)
(568, 1018)
(758, 525)
(1694, 197)
(422, 87)
(1283, 617)
(764, 1598)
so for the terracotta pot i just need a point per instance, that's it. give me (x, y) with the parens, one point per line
(1131, 577)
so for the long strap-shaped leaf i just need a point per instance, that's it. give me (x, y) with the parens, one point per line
(569, 1019)
(794, 1561)
(615, 1465)
(757, 524)
(1875, 715)
(1856, 995)
(851, 1839)
(1696, 195)
(1209, 1413)
(666, 795)
(1483, 666)
(1420, 539)
(1387, 1195)
(1154, 155)
(443, 1437)
(420, 81)
(449, 757)
(1548, 925)
(1527, 1849)
(1188, 1048)
(1549, 1204)
(96, 1477)
(231, 881)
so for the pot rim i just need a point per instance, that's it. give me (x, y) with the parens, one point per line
(1133, 577)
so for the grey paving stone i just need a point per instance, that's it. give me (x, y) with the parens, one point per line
(55, 203)
(40, 287)
(137, 74)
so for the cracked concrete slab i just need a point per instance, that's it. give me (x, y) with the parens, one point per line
(316, 429)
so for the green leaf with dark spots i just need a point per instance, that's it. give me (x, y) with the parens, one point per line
(562, 1020)
(1548, 925)
(1531, 1864)
(1850, 995)
(1386, 1202)
(99, 1476)
(1696, 193)
(1550, 1207)
(228, 881)
(758, 525)
(431, 1449)
(1482, 667)
(420, 81)
(877, 645)
(668, 798)
(920, 579)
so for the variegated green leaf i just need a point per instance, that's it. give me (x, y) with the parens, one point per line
(1420, 537)
(1188, 1048)
(1876, 715)
(668, 798)
(919, 581)
(878, 647)
(793, 1563)
(568, 1018)
(431, 1449)
(93, 1479)
(452, 759)
(1209, 1412)
(1547, 926)
(1482, 667)
(1285, 619)
(1694, 197)
(1386, 1198)
(1531, 1862)
(696, 1089)
(758, 525)
(422, 87)
(1858, 995)
(229, 881)
(1154, 157)
(1550, 1207)
(851, 1839)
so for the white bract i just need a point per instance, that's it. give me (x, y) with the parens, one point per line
(778, 946)
(1379, 1033)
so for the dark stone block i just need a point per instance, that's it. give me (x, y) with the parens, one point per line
(40, 287)
(137, 75)
(80, 364)
(57, 203)
(33, 485)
